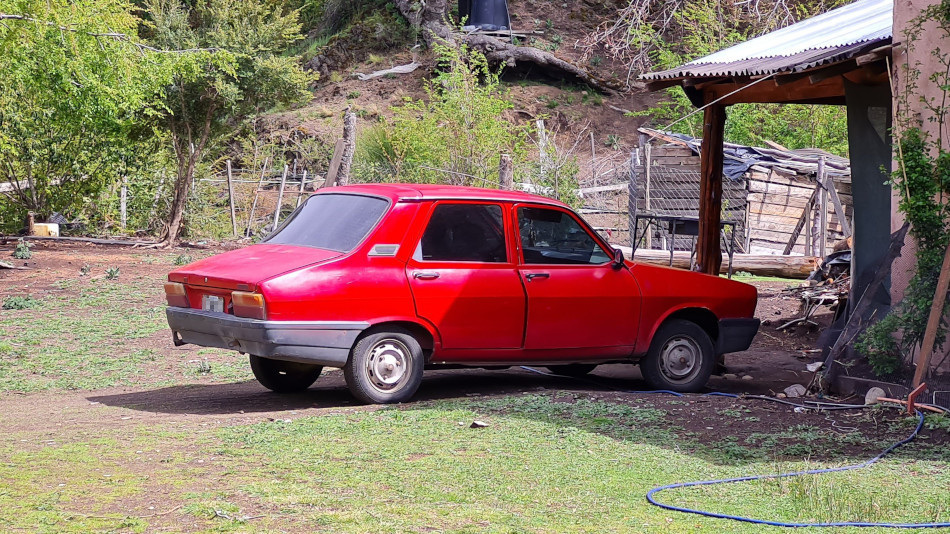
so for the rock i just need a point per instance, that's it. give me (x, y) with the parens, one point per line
(730, 376)
(873, 394)
(478, 424)
(812, 367)
(780, 395)
(747, 377)
(795, 390)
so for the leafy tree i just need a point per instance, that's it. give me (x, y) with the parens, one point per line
(69, 95)
(233, 69)
(454, 136)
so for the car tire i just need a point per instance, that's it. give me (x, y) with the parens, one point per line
(681, 357)
(575, 370)
(385, 367)
(282, 376)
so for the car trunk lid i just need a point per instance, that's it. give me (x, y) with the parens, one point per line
(244, 269)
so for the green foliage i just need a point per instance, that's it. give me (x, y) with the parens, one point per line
(703, 27)
(20, 303)
(22, 250)
(112, 273)
(234, 70)
(454, 136)
(69, 99)
(183, 259)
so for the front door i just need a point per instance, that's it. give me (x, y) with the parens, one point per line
(576, 297)
(464, 280)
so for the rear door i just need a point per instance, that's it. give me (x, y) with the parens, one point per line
(576, 297)
(464, 278)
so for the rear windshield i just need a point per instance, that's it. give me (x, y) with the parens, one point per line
(332, 222)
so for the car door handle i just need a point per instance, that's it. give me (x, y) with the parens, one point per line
(532, 276)
(425, 275)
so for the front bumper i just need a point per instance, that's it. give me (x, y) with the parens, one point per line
(315, 342)
(736, 334)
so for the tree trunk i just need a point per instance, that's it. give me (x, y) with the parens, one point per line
(432, 19)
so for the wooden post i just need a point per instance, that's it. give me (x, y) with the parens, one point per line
(708, 251)
(334, 167)
(839, 209)
(349, 147)
(647, 204)
(123, 202)
(593, 160)
(303, 188)
(280, 199)
(632, 203)
(505, 172)
(933, 322)
(231, 201)
(250, 217)
(823, 203)
(30, 223)
(800, 224)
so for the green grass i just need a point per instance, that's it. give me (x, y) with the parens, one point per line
(545, 463)
(79, 341)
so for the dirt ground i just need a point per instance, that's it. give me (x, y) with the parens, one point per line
(775, 361)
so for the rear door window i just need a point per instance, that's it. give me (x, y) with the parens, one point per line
(464, 232)
(337, 222)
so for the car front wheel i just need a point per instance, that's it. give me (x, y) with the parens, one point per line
(385, 367)
(681, 357)
(282, 376)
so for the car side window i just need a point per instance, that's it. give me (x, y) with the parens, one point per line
(464, 232)
(551, 236)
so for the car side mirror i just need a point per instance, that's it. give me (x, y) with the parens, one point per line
(618, 259)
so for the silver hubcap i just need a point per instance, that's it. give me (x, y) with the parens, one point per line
(388, 364)
(680, 359)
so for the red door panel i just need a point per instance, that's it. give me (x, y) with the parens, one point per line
(580, 306)
(473, 307)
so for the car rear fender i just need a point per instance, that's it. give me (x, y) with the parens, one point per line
(424, 333)
(703, 317)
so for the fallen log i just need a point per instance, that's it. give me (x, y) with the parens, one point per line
(798, 267)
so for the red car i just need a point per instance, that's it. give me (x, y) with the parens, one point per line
(388, 280)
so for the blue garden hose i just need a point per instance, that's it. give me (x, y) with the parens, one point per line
(819, 406)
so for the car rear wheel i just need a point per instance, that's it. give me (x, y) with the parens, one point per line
(576, 370)
(385, 367)
(282, 376)
(681, 357)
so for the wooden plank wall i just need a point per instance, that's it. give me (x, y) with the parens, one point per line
(776, 203)
(674, 190)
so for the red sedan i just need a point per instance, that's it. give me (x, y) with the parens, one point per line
(388, 280)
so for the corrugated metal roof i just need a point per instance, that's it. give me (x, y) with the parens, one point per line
(827, 38)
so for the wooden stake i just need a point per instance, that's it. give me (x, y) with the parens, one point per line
(280, 199)
(250, 217)
(506, 172)
(303, 188)
(349, 147)
(647, 204)
(632, 203)
(334, 168)
(933, 322)
(231, 201)
(123, 198)
(30, 223)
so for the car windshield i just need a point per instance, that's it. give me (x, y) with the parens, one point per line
(335, 222)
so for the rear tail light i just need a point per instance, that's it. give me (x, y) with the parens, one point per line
(175, 295)
(250, 305)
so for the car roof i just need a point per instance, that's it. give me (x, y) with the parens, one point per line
(420, 192)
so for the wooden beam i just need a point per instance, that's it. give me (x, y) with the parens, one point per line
(933, 321)
(708, 251)
(799, 91)
(663, 84)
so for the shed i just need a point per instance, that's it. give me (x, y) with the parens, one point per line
(840, 57)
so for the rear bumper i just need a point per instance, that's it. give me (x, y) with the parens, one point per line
(736, 334)
(316, 342)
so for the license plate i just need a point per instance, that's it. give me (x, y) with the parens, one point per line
(212, 303)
